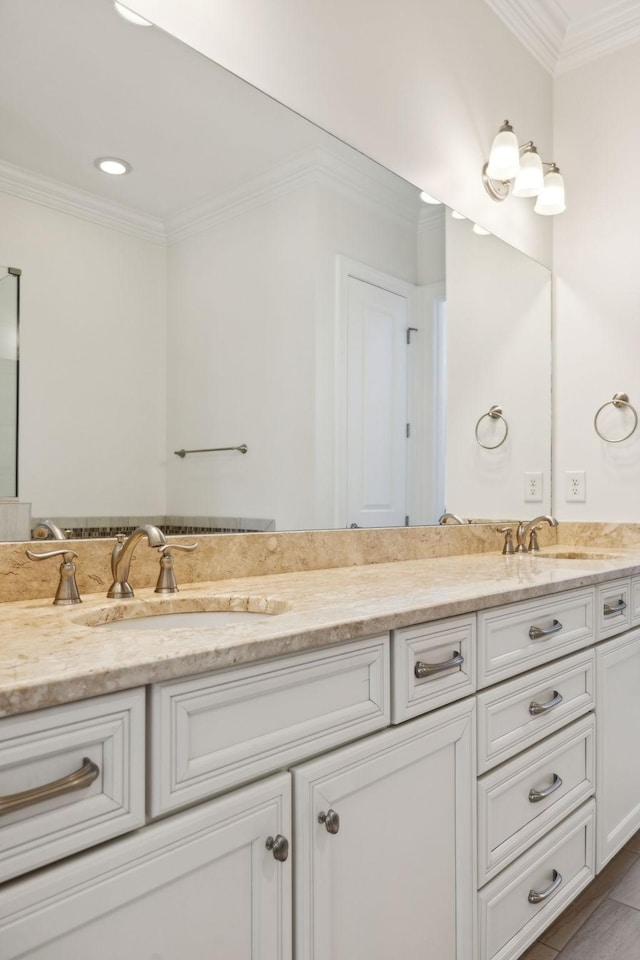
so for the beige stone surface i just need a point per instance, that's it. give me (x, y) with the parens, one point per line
(50, 655)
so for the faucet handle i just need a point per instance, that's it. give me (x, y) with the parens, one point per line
(167, 578)
(533, 538)
(508, 539)
(67, 591)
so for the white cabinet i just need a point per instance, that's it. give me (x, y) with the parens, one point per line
(618, 734)
(198, 885)
(384, 844)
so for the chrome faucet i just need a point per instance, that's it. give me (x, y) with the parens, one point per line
(451, 518)
(47, 530)
(121, 556)
(527, 528)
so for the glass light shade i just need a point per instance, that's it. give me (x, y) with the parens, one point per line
(427, 198)
(504, 159)
(551, 200)
(457, 216)
(529, 180)
(129, 15)
(481, 230)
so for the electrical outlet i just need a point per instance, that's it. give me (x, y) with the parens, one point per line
(575, 486)
(533, 487)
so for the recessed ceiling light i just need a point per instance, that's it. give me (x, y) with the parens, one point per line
(427, 198)
(129, 15)
(481, 230)
(113, 166)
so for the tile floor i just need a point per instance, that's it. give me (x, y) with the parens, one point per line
(603, 923)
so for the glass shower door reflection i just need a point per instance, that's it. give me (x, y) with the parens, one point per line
(9, 313)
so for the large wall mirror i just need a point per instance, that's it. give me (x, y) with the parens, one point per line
(251, 281)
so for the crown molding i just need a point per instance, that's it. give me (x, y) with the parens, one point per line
(601, 33)
(540, 26)
(26, 185)
(365, 180)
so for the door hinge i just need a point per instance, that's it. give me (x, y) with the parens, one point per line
(408, 430)
(411, 330)
(406, 520)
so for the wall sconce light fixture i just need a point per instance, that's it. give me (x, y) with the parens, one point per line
(518, 169)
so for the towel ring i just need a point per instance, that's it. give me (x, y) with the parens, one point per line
(494, 413)
(619, 400)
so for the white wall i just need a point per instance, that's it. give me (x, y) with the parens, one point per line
(92, 364)
(597, 287)
(498, 353)
(419, 85)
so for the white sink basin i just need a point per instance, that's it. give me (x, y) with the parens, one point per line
(193, 620)
(576, 555)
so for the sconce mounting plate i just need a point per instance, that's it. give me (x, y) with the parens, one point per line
(498, 190)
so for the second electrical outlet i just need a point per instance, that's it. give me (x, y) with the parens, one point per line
(575, 486)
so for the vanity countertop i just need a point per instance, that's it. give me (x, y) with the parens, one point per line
(51, 655)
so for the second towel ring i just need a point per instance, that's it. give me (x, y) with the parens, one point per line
(494, 413)
(619, 400)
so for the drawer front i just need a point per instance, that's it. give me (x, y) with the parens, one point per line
(71, 776)
(521, 800)
(613, 608)
(518, 713)
(635, 601)
(520, 636)
(560, 866)
(419, 658)
(214, 732)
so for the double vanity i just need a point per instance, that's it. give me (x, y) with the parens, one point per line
(426, 757)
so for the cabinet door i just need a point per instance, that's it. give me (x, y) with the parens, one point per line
(200, 885)
(395, 876)
(617, 735)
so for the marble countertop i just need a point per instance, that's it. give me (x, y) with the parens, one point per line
(51, 655)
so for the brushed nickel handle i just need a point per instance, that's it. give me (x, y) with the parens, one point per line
(78, 780)
(330, 819)
(537, 708)
(279, 847)
(422, 669)
(539, 897)
(535, 633)
(536, 795)
(608, 610)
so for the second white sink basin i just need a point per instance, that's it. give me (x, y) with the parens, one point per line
(192, 620)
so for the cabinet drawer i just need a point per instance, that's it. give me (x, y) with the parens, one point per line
(613, 608)
(520, 712)
(70, 776)
(419, 658)
(213, 732)
(635, 601)
(509, 922)
(515, 638)
(521, 800)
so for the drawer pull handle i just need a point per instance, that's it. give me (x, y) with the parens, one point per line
(279, 847)
(536, 795)
(78, 780)
(535, 633)
(619, 607)
(537, 708)
(542, 895)
(422, 669)
(331, 820)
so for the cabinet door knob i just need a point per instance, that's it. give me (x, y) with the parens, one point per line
(279, 847)
(331, 820)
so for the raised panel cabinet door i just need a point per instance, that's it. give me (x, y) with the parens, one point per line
(617, 736)
(384, 844)
(203, 884)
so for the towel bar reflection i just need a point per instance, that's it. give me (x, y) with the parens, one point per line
(494, 413)
(182, 453)
(620, 400)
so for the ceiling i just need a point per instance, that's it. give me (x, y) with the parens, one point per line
(566, 34)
